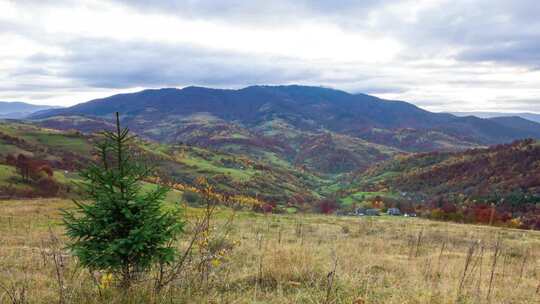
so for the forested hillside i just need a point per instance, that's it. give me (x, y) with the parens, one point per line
(34, 158)
(462, 184)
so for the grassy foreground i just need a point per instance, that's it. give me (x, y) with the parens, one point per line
(289, 259)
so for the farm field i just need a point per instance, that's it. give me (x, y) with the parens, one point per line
(285, 259)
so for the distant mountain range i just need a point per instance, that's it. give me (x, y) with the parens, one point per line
(529, 116)
(320, 129)
(17, 110)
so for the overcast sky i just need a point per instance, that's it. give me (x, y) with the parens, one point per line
(442, 55)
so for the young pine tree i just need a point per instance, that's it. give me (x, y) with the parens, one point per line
(119, 228)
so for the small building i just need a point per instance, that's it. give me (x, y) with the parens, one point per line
(360, 211)
(373, 212)
(394, 211)
(341, 213)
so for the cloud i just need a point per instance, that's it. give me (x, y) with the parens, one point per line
(260, 13)
(518, 52)
(499, 31)
(439, 54)
(382, 90)
(117, 64)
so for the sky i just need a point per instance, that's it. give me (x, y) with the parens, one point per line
(442, 55)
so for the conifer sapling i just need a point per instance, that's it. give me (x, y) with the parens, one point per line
(118, 227)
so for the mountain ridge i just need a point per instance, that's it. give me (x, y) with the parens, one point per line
(290, 121)
(535, 117)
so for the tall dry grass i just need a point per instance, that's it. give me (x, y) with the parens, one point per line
(285, 259)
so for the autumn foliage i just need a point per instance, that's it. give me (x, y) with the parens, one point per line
(35, 172)
(499, 185)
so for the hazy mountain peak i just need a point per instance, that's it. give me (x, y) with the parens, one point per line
(529, 116)
(17, 109)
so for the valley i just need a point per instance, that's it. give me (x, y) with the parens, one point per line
(301, 149)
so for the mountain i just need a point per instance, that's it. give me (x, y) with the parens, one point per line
(17, 110)
(320, 129)
(517, 123)
(529, 116)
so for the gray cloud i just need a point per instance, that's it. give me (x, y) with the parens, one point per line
(504, 31)
(500, 31)
(520, 52)
(115, 64)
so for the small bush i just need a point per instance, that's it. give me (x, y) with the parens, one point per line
(192, 198)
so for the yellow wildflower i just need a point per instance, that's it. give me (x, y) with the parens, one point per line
(106, 281)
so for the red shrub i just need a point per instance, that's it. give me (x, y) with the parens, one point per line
(11, 160)
(327, 206)
(47, 186)
(267, 208)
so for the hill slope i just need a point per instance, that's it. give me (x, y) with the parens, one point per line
(517, 123)
(477, 172)
(498, 185)
(66, 151)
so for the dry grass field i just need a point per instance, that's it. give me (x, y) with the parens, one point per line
(285, 259)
